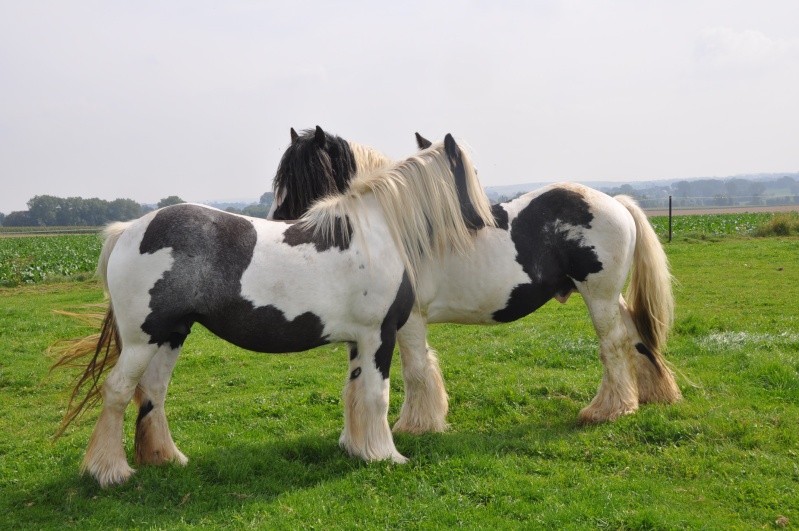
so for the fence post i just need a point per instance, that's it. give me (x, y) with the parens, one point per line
(669, 219)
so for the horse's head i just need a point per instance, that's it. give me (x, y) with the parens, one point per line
(470, 215)
(316, 164)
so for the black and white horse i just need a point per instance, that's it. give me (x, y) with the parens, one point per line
(346, 272)
(545, 244)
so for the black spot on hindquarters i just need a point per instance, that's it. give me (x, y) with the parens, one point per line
(299, 235)
(548, 255)
(355, 373)
(396, 317)
(211, 250)
(144, 409)
(642, 349)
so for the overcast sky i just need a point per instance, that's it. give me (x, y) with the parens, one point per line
(147, 99)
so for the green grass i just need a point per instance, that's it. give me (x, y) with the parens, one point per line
(261, 431)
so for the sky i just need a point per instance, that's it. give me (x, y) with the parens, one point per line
(148, 99)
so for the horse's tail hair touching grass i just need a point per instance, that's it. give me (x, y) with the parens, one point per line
(96, 354)
(649, 294)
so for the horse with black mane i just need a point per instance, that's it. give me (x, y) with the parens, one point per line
(347, 271)
(545, 244)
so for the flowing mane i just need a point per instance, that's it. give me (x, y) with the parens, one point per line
(419, 199)
(367, 159)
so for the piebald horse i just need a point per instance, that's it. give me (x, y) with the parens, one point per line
(346, 272)
(545, 244)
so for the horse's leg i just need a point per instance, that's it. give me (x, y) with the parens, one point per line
(618, 392)
(105, 456)
(153, 443)
(655, 380)
(425, 406)
(366, 432)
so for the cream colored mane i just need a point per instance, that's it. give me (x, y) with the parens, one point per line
(419, 201)
(368, 159)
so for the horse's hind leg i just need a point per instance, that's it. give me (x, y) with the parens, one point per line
(105, 456)
(655, 380)
(425, 406)
(153, 442)
(618, 392)
(366, 431)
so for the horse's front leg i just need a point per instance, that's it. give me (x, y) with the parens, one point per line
(153, 442)
(425, 406)
(105, 456)
(366, 432)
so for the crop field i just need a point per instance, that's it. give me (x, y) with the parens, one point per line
(35, 258)
(711, 224)
(261, 431)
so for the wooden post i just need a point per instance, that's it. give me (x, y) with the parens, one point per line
(669, 219)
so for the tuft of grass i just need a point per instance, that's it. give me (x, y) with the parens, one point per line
(780, 224)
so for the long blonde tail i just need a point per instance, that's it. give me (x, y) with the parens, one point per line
(94, 355)
(649, 294)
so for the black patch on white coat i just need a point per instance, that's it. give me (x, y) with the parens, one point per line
(642, 349)
(296, 235)
(144, 409)
(546, 252)
(396, 317)
(211, 250)
(500, 216)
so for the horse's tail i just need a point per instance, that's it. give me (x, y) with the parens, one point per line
(649, 294)
(96, 354)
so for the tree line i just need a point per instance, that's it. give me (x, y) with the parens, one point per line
(52, 211)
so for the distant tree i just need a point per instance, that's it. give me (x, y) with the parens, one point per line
(171, 200)
(124, 210)
(256, 211)
(682, 188)
(43, 209)
(233, 210)
(19, 218)
(267, 198)
(2, 217)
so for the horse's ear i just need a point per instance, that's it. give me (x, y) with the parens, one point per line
(320, 138)
(469, 213)
(452, 150)
(294, 135)
(422, 142)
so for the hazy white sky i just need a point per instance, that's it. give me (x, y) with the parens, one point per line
(194, 98)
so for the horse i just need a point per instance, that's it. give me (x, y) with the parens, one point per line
(545, 244)
(346, 272)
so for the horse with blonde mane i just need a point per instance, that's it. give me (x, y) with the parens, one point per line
(346, 272)
(545, 244)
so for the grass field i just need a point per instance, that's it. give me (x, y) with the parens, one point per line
(261, 431)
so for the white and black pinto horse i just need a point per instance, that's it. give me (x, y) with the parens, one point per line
(345, 272)
(545, 244)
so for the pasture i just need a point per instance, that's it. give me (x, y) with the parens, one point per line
(261, 431)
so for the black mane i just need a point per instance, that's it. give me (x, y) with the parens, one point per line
(315, 165)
